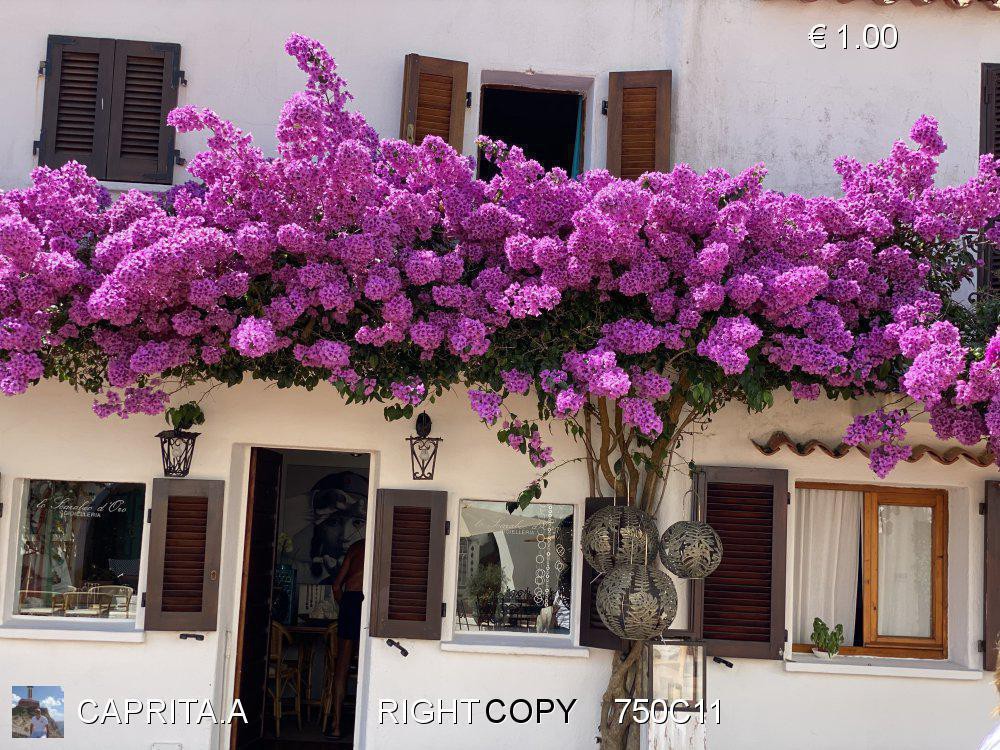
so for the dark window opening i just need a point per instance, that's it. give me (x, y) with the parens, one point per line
(548, 125)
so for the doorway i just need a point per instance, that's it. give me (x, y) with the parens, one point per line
(300, 605)
(548, 125)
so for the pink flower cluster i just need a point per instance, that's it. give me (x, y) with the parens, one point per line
(388, 269)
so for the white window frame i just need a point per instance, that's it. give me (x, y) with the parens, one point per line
(499, 641)
(86, 628)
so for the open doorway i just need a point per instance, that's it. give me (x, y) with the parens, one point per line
(548, 125)
(300, 607)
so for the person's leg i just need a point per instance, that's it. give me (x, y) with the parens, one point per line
(345, 655)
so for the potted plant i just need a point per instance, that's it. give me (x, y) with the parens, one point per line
(485, 587)
(826, 642)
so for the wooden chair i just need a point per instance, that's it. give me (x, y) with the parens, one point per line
(40, 603)
(329, 669)
(87, 604)
(284, 671)
(121, 597)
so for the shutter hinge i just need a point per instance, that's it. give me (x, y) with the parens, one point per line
(468, 100)
(786, 636)
(180, 79)
(149, 516)
(179, 160)
(981, 647)
(604, 107)
(36, 146)
(447, 528)
(788, 498)
(1, 510)
(444, 609)
(143, 604)
(982, 509)
(43, 68)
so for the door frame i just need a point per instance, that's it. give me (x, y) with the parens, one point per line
(240, 475)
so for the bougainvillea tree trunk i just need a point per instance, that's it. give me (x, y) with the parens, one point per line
(624, 466)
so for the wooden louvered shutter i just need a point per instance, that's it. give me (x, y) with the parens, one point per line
(744, 599)
(638, 122)
(593, 632)
(989, 143)
(185, 546)
(991, 577)
(76, 105)
(140, 144)
(407, 580)
(433, 99)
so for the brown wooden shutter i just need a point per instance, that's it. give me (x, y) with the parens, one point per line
(991, 577)
(185, 546)
(744, 599)
(433, 99)
(76, 106)
(989, 143)
(407, 582)
(141, 144)
(593, 632)
(638, 122)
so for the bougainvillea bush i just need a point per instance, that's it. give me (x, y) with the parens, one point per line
(391, 272)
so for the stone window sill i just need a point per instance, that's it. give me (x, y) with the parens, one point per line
(874, 666)
(25, 629)
(529, 645)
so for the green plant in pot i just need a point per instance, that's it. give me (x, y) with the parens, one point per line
(485, 587)
(826, 642)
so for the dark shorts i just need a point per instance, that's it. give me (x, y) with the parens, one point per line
(349, 619)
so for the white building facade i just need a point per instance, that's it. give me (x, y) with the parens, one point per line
(748, 82)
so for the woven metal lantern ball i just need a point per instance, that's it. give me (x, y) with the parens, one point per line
(637, 602)
(619, 534)
(691, 549)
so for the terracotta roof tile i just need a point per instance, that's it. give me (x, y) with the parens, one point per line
(991, 4)
(779, 440)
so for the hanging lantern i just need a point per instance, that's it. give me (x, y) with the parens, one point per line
(637, 602)
(691, 549)
(619, 534)
(677, 670)
(423, 449)
(177, 450)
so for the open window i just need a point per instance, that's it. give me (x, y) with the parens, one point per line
(874, 560)
(547, 124)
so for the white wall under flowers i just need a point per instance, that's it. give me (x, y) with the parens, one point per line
(51, 433)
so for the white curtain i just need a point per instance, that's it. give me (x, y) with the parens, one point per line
(827, 546)
(904, 570)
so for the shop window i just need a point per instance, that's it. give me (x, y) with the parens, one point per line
(79, 547)
(873, 560)
(514, 568)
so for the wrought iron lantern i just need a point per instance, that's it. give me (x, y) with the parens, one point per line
(637, 602)
(177, 449)
(423, 448)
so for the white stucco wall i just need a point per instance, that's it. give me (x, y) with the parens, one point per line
(51, 433)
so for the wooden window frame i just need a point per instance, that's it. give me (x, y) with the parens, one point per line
(876, 644)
